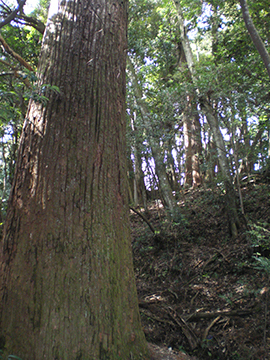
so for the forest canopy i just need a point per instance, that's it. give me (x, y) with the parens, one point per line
(197, 94)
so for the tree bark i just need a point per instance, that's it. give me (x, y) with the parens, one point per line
(171, 167)
(193, 144)
(255, 37)
(231, 206)
(67, 285)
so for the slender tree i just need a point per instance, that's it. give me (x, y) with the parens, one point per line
(193, 144)
(67, 284)
(255, 37)
(206, 107)
(166, 191)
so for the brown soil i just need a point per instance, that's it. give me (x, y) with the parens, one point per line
(201, 292)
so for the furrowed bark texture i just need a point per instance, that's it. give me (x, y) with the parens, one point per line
(67, 283)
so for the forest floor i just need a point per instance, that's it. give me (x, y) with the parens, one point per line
(200, 292)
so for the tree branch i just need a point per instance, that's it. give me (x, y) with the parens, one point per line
(144, 218)
(13, 14)
(31, 21)
(209, 315)
(15, 55)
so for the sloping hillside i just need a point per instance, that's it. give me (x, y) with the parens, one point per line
(200, 291)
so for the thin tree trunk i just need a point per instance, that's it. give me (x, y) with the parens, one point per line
(67, 285)
(193, 144)
(225, 169)
(255, 37)
(165, 188)
(171, 171)
(192, 127)
(213, 123)
(212, 163)
(139, 180)
(139, 185)
(196, 149)
(188, 149)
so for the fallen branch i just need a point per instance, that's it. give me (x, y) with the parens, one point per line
(209, 315)
(205, 334)
(156, 318)
(187, 331)
(144, 219)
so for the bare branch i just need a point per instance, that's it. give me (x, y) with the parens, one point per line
(13, 14)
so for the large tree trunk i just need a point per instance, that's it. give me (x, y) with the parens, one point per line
(67, 283)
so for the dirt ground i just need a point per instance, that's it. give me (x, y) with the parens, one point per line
(202, 293)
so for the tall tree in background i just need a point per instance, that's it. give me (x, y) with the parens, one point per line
(166, 191)
(67, 283)
(257, 41)
(231, 203)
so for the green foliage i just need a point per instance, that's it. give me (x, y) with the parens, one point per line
(263, 264)
(259, 236)
(229, 74)
(39, 94)
(25, 41)
(41, 11)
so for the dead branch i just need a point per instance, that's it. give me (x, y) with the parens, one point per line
(144, 219)
(156, 318)
(205, 334)
(187, 331)
(209, 315)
